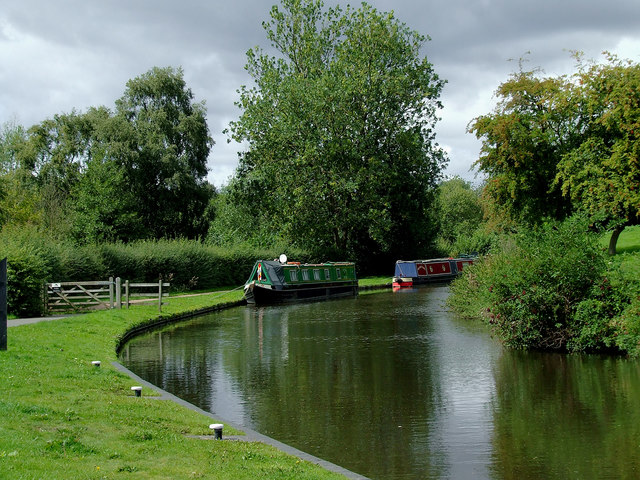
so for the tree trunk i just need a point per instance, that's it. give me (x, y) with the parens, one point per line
(614, 239)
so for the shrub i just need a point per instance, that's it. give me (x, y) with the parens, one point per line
(544, 289)
(30, 260)
(34, 259)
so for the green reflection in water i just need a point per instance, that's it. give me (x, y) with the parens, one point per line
(566, 416)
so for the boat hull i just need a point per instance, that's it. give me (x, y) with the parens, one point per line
(257, 294)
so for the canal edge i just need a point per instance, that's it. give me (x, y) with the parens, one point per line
(251, 435)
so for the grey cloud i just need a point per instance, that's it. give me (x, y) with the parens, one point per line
(74, 54)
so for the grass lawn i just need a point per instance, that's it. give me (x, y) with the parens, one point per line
(627, 258)
(62, 418)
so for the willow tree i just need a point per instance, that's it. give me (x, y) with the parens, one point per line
(340, 131)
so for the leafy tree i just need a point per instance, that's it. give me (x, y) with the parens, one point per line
(532, 126)
(459, 209)
(138, 172)
(602, 175)
(11, 135)
(341, 152)
(563, 144)
(20, 201)
(50, 158)
(161, 140)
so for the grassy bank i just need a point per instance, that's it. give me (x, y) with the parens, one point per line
(62, 418)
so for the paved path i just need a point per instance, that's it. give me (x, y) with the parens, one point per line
(26, 321)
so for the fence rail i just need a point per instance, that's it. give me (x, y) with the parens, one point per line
(102, 294)
(146, 292)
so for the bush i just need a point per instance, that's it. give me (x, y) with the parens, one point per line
(35, 259)
(30, 261)
(544, 289)
(187, 264)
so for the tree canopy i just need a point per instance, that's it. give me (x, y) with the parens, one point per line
(558, 145)
(522, 141)
(602, 175)
(458, 205)
(340, 131)
(136, 172)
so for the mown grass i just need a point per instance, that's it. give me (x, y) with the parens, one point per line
(374, 282)
(627, 258)
(62, 418)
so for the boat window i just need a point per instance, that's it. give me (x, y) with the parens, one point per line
(327, 274)
(305, 274)
(316, 274)
(338, 274)
(293, 275)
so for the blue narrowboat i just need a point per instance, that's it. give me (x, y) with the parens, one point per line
(415, 272)
(273, 281)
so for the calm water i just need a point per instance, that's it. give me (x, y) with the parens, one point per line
(392, 386)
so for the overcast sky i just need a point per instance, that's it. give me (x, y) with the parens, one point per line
(56, 56)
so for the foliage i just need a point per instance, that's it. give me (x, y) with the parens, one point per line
(35, 258)
(11, 135)
(30, 261)
(570, 143)
(459, 213)
(341, 157)
(481, 241)
(546, 289)
(602, 174)
(19, 199)
(162, 144)
(188, 264)
(104, 207)
(236, 224)
(138, 172)
(532, 126)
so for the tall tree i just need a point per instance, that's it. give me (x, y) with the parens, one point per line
(19, 199)
(50, 159)
(138, 172)
(340, 131)
(534, 123)
(162, 143)
(459, 209)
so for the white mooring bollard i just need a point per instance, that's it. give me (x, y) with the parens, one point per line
(137, 390)
(217, 430)
(96, 363)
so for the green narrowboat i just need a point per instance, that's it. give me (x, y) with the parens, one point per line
(283, 281)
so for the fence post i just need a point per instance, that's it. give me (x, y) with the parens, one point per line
(160, 294)
(118, 293)
(111, 292)
(3, 304)
(45, 299)
(126, 293)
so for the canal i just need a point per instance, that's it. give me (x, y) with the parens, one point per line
(393, 386)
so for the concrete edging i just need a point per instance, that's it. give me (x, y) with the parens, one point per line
(251, 435)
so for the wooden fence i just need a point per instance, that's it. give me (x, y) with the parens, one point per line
(64, 297)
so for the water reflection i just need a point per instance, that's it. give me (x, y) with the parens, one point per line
(392, 386)
(566, 416)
